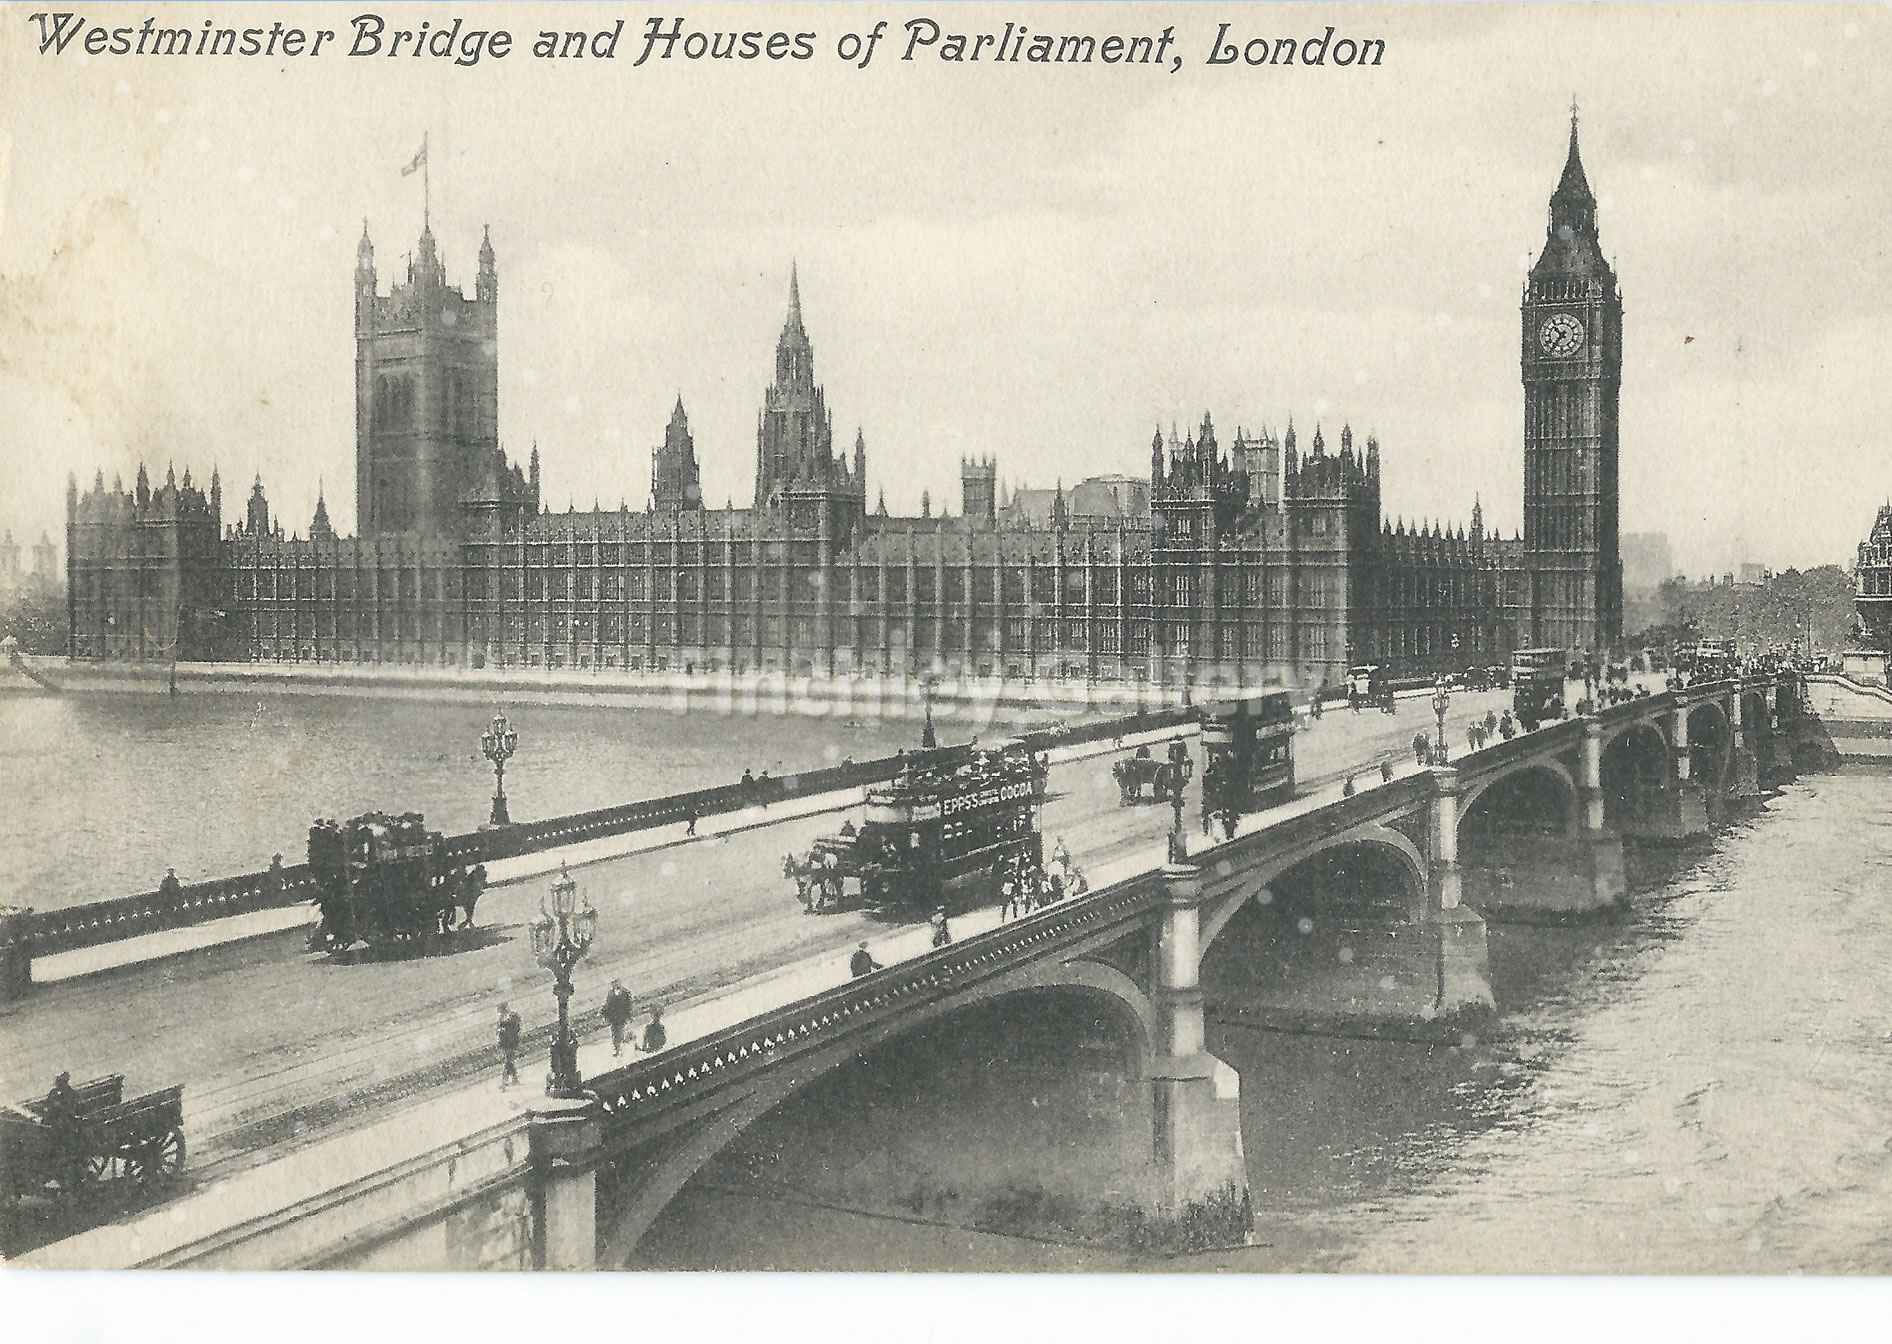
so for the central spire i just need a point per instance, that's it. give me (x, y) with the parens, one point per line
(1571, 246)
(1574, 184)
(794, 299)
(794, 353)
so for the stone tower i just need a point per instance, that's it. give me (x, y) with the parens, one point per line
(1573, 365)
(795, 433)
(979, 488)
(1332, 502)
(675, 483)
(1198, 498)
(797, 472)
(426, 394)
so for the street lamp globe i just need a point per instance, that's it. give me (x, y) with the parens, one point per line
(498, 743)
(1441, 701)
(544, 932)
(560, 938)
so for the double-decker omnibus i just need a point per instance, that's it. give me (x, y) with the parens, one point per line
(1716, 659)
(1248, 751)
(934, 836)
(1537, 685)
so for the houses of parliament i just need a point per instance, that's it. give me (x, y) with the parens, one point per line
(1264, 558)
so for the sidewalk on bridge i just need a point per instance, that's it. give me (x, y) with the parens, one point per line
(263, 923)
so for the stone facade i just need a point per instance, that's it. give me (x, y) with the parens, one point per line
(1261, 562)
(1872, 580)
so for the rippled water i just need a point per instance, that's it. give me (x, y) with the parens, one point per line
(103, 792)
(1706, 1087)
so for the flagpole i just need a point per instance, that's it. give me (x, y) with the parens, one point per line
(426, 186)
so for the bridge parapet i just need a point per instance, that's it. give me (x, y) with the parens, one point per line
(640, 1093)
(464, 1205)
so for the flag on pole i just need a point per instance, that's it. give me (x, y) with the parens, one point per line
(418, 162)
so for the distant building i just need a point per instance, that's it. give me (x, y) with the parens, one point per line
(1647, 561)
(1872, 584)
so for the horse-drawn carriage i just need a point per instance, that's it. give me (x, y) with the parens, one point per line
(71, 1144)
(931, 835)
(1370, 686)
(1163, 778)
(388, 881)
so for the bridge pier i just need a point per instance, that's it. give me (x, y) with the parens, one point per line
(1452, 935)
(567, 1140)
(1195, 1110)
(1773, 751)
(1744, 778)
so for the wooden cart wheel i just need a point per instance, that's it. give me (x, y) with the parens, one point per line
(161, 1159)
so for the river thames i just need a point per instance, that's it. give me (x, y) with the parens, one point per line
(1701, 1086)
(104, 792)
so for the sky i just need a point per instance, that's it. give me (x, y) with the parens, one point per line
(1043, 263)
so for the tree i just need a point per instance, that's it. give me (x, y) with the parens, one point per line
(35, 615)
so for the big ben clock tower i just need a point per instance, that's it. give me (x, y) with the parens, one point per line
(1573, 369)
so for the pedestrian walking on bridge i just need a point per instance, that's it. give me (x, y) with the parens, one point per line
(617, 1014)
(654, 1034)
(510, 1031)
(941, 934)
(1386, 772)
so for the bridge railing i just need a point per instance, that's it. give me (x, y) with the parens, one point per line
(96, 922)
(634, 1093)
(93, 923)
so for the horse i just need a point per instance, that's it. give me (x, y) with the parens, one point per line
(800, 872)
(468, 887)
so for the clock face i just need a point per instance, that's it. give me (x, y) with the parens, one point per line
(1560, 335)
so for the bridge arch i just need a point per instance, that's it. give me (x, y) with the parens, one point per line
(624, 1222)
(1755, 717)
(1398, 853)
(1531, 790)
(1636, 763)
(1710, 742)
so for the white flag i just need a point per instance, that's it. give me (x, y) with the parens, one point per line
(419, 160)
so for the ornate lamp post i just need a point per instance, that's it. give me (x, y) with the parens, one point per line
(560, 938)
(499, 742)
(927, 738)
(1441, 701)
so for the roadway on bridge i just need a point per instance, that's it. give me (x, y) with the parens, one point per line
(278, 1048)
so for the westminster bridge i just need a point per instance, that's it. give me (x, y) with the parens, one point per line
(1407, 870)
